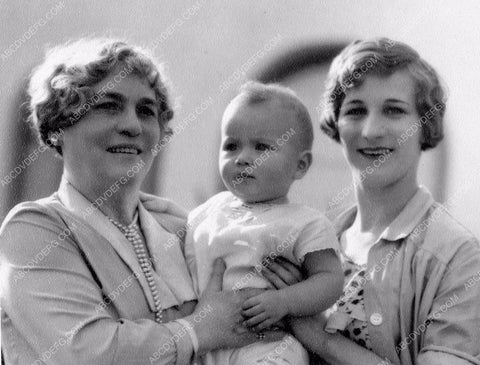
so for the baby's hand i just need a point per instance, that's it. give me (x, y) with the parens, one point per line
(264, 310)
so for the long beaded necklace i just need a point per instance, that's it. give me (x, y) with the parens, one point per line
(131, 232)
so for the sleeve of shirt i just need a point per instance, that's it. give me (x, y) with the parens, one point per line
(316, 235)
(51, 299)
(453, 334)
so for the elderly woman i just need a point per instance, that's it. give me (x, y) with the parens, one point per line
(410, 295)
(95, 273)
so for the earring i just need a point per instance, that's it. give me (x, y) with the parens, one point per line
(55, 139)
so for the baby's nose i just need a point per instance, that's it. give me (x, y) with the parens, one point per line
(243, 159)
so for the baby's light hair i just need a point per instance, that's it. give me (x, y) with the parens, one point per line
(254, 93)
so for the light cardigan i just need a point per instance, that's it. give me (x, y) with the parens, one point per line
(73, 291)
(422, 294)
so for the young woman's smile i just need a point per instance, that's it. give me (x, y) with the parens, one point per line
(373, 118)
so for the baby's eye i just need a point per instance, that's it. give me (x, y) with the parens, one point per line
(229, 146)
(394, 110)
(263, 147)
(146, 111)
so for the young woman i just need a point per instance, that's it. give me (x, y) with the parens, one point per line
(410, 295)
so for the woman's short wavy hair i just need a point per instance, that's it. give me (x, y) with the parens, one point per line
(60, 89)
(382, 56)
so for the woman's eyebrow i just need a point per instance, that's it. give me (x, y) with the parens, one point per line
(393, 100)
(354, 101)
(114, 96)
(121, 98)
(148, 101)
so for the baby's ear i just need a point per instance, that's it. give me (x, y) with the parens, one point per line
(304, 162)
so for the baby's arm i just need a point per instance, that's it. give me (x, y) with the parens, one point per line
(314, 295)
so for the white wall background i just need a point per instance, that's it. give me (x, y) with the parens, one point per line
(211, 39)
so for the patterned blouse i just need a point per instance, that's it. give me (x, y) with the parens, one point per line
(348, 316)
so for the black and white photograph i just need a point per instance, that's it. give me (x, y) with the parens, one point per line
(266, 182)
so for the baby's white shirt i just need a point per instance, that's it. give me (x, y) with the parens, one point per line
(243, 234)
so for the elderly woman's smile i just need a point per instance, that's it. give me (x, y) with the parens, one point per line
(118, 132)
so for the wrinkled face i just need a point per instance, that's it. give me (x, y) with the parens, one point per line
(115, 135)
(380, 131)
(259, 154)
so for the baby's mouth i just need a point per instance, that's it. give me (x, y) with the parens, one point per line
(243, 177)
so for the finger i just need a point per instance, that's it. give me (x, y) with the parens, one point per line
(263, 325)
(250, 293)
(241, 329)
(273, 278)
(250, 303)
(216, 277)
(253, 311)
(289, 266)
(254, 321)
(285, 269)
(282, 273)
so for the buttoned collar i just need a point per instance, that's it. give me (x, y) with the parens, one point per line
(403, 224)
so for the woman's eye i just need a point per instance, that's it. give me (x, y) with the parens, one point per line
(146, 111)
(394, 110)
(108, 106)
(263, 147)
(355, 112)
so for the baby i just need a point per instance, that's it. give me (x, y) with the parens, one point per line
(266, 145)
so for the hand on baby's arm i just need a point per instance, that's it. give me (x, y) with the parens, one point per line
(264, 310)
(316, 293)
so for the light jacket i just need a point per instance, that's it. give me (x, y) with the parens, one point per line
(422, 295)
(73, 292)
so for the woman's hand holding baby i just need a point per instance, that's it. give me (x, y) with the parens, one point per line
(268, 308)
(223, 327)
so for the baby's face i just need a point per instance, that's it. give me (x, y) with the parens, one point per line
(259, 153)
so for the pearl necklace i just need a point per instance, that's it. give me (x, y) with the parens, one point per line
(131, 232)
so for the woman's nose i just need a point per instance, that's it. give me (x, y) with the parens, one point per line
(373, 127)
(129, 123)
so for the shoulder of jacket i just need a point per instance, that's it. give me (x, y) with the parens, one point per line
(444, 236)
